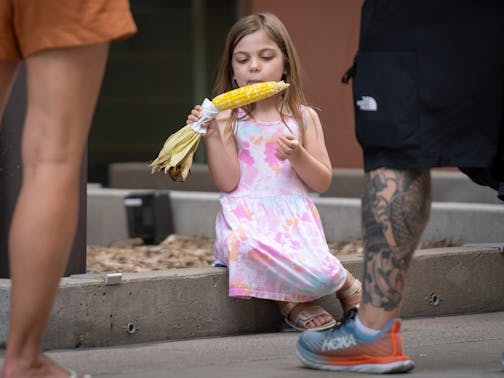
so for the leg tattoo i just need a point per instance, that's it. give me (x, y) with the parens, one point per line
(395, 210)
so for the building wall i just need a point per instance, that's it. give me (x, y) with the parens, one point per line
(325, 33)
(154, 78)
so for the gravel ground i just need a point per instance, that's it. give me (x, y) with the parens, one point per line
(183, 252)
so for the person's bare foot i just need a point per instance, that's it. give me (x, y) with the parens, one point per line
(43, 367)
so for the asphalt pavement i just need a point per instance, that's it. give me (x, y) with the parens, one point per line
(448, 346)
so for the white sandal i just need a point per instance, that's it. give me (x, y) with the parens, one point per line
(345, 295)
(305, 316)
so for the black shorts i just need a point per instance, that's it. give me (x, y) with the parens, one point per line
(429, 84)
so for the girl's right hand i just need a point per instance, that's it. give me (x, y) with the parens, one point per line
(196, 115)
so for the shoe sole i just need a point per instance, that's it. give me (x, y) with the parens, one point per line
(392, 367)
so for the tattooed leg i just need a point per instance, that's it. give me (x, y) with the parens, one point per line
(395, 211)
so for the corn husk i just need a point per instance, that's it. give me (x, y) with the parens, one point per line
(176, 156)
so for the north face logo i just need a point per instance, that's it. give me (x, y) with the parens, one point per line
(340, 342)
(367, 103)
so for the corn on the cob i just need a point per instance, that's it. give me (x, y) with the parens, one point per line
(176, 156)
(248, 94)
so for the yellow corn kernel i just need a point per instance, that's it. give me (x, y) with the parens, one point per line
(248, 94)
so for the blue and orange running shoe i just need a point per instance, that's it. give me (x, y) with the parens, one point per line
(344, 348)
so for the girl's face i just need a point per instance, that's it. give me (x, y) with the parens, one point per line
(256, 58)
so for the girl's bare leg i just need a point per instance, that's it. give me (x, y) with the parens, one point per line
(63, 86)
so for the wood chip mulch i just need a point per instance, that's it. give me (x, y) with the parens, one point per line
(179, 251)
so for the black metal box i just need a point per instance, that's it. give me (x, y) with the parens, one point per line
(149, 216)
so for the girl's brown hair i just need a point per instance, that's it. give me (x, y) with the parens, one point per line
(293, 97)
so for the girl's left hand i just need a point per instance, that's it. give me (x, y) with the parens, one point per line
(287, 146)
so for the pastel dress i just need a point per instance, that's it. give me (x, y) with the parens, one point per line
(269, 233)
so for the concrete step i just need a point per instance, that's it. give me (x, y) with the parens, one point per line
(193, 213)
(447, 186)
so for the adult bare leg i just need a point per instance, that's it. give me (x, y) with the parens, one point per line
(63, 86)
(395, 211)
(8, 69)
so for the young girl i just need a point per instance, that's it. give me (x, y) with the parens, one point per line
(262, 158)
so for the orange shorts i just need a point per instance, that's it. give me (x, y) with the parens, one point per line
(29, 26)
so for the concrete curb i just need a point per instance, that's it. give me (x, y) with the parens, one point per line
(190, 303)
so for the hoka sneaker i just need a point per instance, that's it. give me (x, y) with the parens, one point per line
(344, 348)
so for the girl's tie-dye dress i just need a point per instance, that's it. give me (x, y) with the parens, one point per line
(268, 232)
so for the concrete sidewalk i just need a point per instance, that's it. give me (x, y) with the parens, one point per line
(449, 347)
